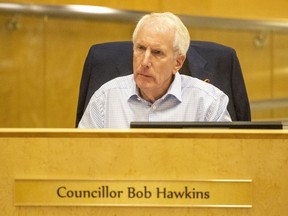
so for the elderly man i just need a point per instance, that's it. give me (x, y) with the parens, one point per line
(156, 91)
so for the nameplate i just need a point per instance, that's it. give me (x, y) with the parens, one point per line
(160, 193)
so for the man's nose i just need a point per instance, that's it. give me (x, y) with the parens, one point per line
(146, 61)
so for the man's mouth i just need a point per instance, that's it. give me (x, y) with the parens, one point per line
(145, 75)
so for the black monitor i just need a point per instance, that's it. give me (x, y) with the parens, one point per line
(223, 125)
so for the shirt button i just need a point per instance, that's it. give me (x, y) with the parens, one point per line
(154, 107)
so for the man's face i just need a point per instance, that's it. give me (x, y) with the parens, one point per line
(154, 61)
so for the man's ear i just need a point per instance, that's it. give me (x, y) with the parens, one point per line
(179, 62)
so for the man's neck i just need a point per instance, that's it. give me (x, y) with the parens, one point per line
(152, 96)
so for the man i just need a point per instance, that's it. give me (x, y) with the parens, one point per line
(156, 91)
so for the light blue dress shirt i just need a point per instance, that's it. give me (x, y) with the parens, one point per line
(117, 103)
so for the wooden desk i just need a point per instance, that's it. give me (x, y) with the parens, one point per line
(260, 155)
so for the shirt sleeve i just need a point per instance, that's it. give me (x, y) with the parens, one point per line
(218, 109)
(94, 115)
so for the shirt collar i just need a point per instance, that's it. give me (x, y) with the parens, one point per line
(174, 89)
(134, 91)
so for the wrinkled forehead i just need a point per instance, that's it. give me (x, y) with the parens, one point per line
(155, 37)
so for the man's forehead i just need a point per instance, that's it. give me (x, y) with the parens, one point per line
(154, 37)
(153, 44)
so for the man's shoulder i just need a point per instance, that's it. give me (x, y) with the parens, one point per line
(200, 86)
(118, 82)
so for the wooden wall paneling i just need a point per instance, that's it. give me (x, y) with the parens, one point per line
(22, 72)
(228, 8)
(8, 76)
(280, 72)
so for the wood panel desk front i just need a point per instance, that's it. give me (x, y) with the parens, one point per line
(259, 155)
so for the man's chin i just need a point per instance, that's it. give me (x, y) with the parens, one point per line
(143, 84)
(144, 79)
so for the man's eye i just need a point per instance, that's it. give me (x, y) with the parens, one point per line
(141, 47)
(157, 52)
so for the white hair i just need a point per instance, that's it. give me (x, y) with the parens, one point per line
(171, 21)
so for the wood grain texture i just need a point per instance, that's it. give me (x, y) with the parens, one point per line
(259, 155)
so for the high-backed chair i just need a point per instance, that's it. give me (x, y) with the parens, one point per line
(211, 62)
